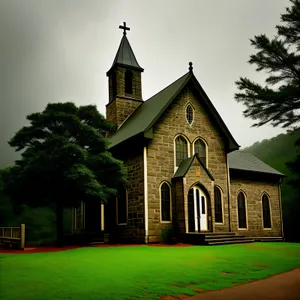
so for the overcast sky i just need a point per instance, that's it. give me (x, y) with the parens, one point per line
(60, 50)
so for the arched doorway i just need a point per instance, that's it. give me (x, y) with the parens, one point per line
(197, 210)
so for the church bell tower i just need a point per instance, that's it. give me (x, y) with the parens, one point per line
(125, 84)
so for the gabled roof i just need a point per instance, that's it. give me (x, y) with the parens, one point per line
(125, 56)
(239, 160)
(186, 164)
(145, 116)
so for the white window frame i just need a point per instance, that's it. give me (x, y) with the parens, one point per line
(185, 110)
(206, 148)
(222, 205)
(174, 145)
(160, 208)
(262, 212)
(237, 209)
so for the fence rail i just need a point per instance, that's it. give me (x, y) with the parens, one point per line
(12, 235)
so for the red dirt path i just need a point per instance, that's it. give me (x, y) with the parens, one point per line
(285, 286)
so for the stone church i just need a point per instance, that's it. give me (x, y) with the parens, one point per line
(185, 171)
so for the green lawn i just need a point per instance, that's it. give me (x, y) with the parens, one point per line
(139, 272)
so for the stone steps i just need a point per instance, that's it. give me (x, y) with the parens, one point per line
(230, 238)
(229, 234)
(215, 238)
(227, 242)
(224, 238)
(269, 239)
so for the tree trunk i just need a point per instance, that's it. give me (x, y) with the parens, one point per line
(59, 224)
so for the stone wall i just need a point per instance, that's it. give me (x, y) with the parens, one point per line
(120, 78)
(161, 154)
(254, 190)
(134, 231)
(120, 109)
(178, 212)
(122, 105)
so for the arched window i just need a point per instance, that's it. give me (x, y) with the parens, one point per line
(128, 82)
(200, 149)
(79, 217)
(189, 114)
(122, 206)
(181, 149)
(242, 219)
(266, 211)
(114, 84)
(218, 205)
(165, 198)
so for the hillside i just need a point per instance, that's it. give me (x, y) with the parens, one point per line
(276, 152)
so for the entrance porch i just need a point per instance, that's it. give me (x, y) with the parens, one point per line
(88, 223)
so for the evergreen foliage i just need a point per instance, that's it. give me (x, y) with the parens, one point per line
(65, 160)
(278, 101)
(278, 152)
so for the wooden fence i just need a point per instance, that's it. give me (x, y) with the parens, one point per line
(13, 236)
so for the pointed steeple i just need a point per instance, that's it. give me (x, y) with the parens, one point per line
(125, 56)
(124, 83)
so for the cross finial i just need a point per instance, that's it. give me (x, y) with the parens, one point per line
(124, 28)
(191, 66)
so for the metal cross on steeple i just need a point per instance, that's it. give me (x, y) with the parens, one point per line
(124, 27)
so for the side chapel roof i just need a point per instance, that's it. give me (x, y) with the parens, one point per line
(240, 160)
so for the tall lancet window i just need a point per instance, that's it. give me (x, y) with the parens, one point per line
(242, 213)
(266, 211)
(181, 149)
(165, 198)
(200, 149)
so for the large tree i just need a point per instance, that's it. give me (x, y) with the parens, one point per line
(277, 101)
(65, 160)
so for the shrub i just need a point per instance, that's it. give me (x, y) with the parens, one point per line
(168, 236)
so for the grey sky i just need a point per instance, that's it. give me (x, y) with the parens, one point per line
(60, 50)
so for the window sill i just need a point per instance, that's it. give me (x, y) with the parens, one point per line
(217, 223)
(122, 224)
(242, 228)
(267, 228)
(165, 222)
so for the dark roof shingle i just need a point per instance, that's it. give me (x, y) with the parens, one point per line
(186, 164)
(240, 160)
(145, 116)
(147, 113)
(125, 56)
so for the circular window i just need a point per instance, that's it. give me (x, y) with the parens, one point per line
(189, 114)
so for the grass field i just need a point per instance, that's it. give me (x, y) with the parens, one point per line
(139, 272)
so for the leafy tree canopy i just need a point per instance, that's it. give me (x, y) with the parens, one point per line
(65, 159)
(278, 101)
